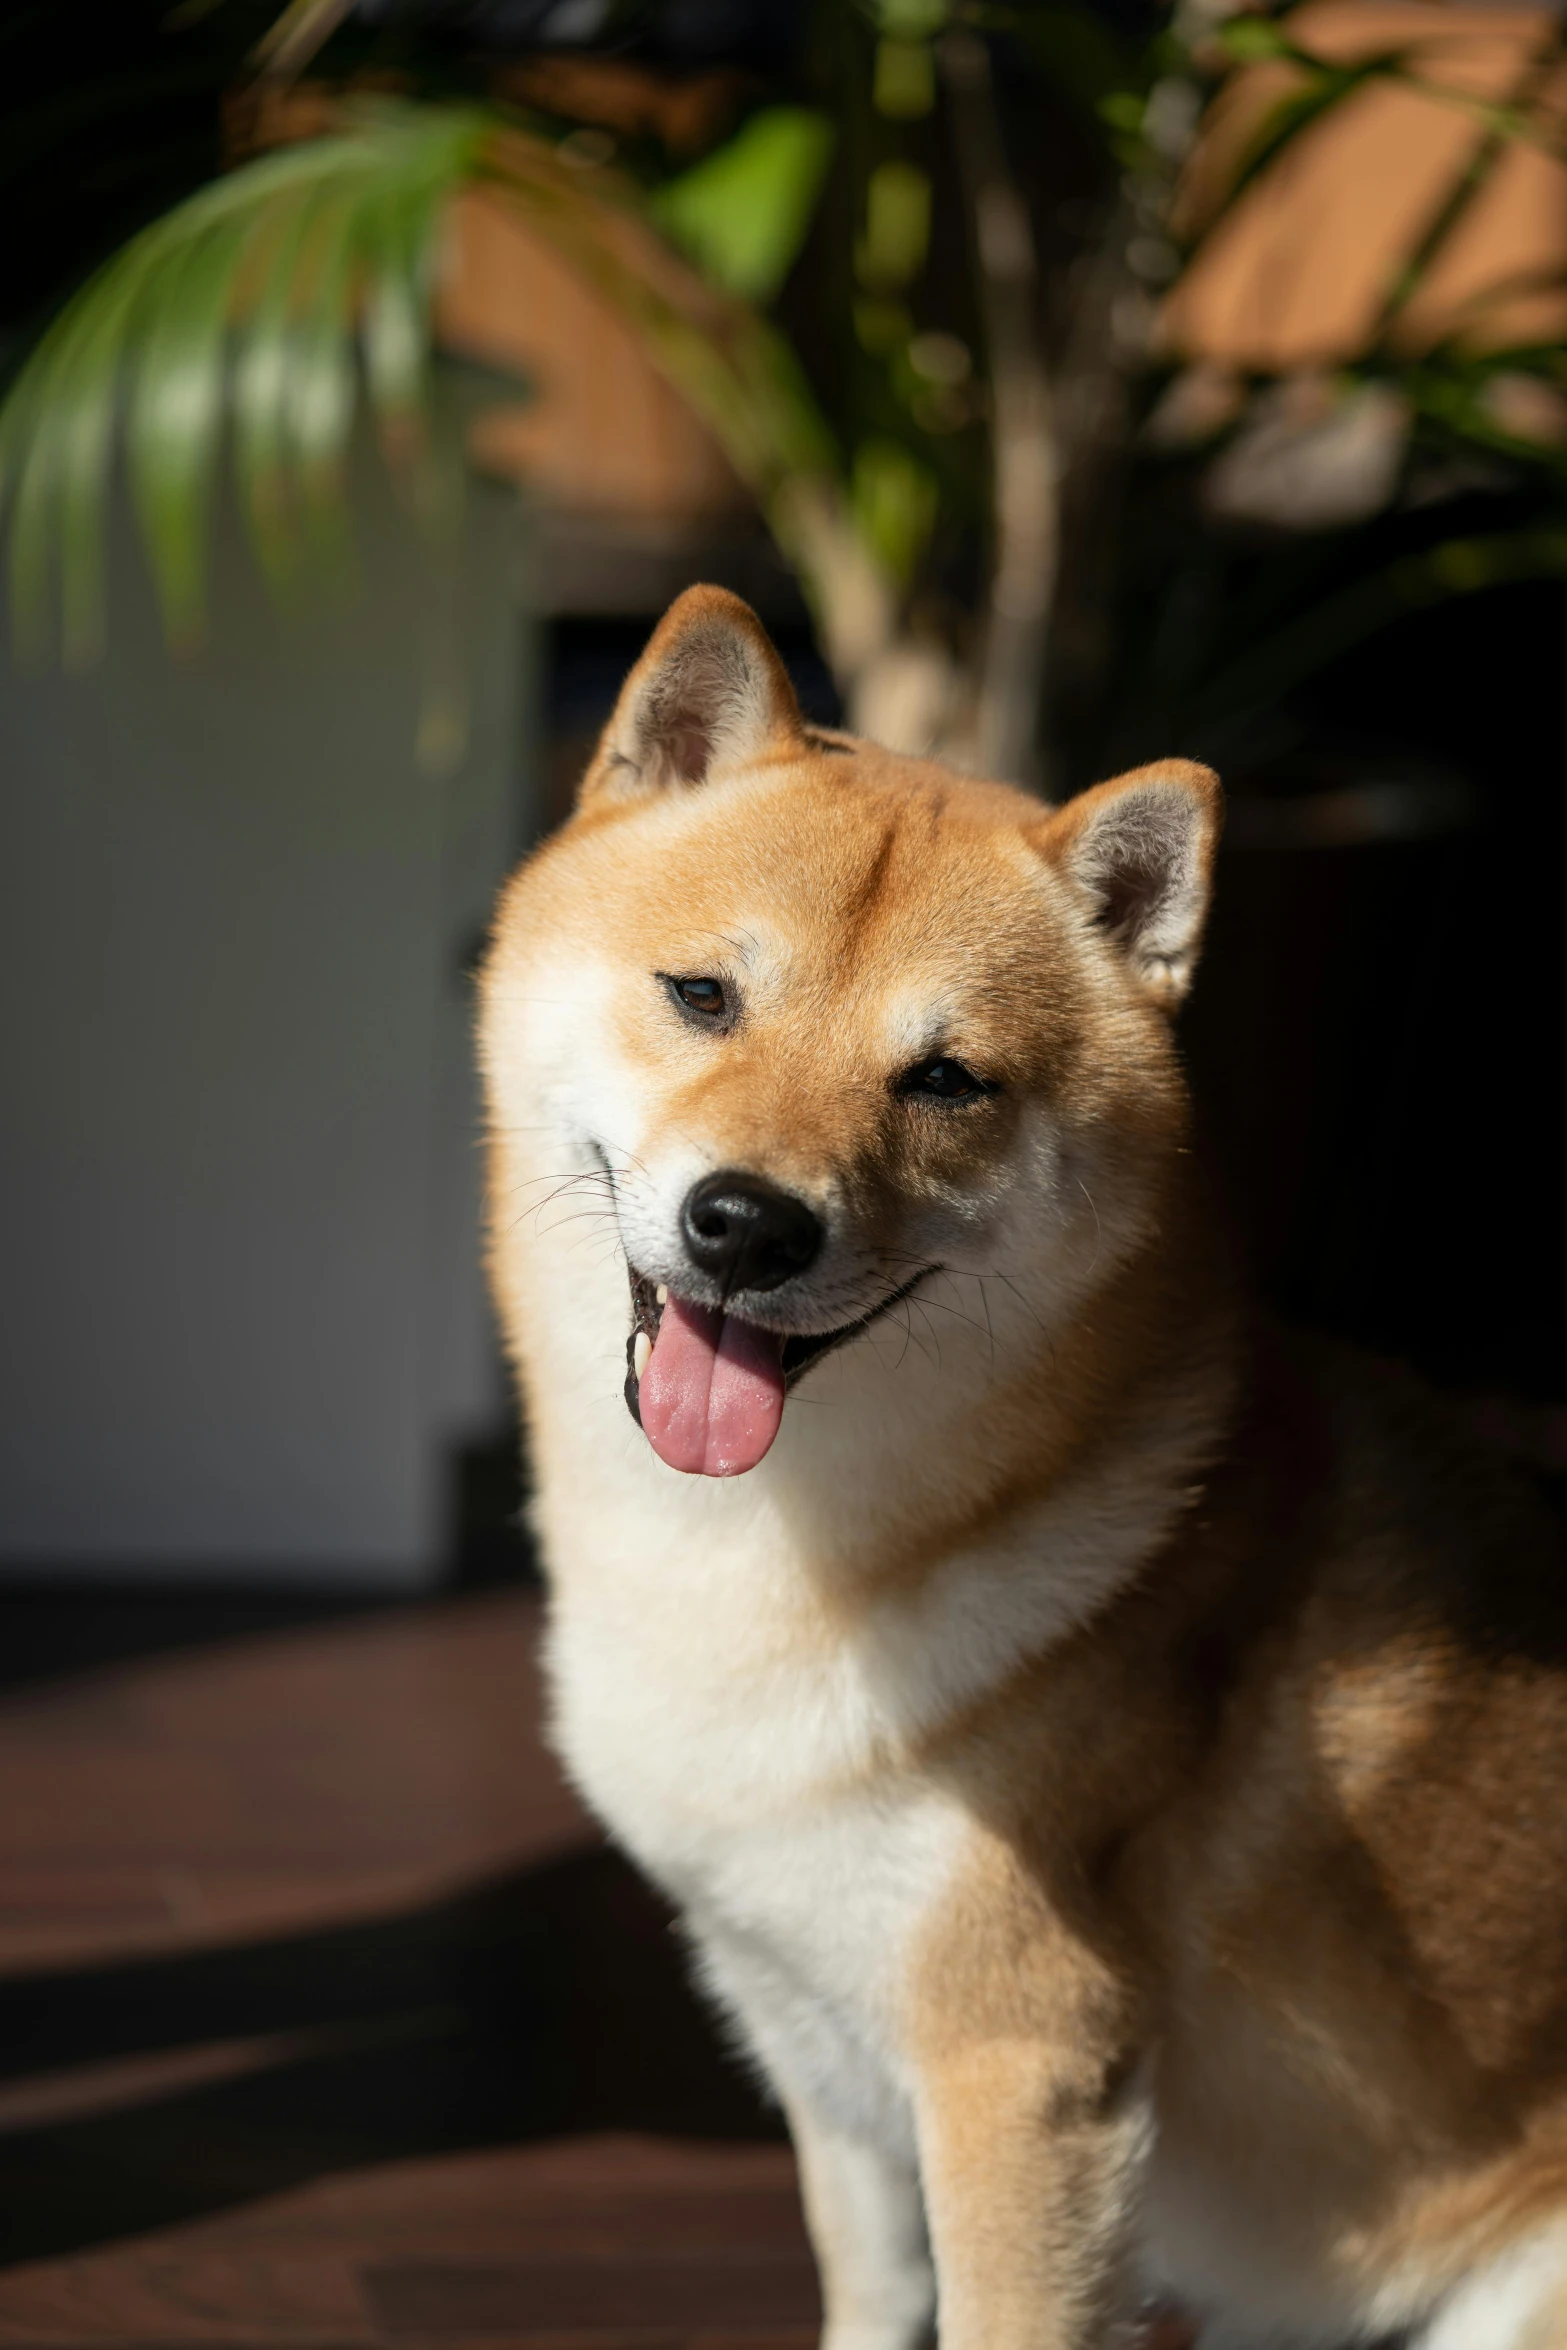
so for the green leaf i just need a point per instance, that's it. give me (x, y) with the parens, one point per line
(176, 414)
(894, 499)
(64, 473)
(260, 390)
(278, 267)
(1122, 110)
(1250, 39)
(897, 226)
(319, 388)
(743, 212)
(912, 20)
(396, 341)
(904, 86)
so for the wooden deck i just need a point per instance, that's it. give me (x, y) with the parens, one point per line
(326, 2020)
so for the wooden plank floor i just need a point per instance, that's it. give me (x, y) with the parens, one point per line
(274, 1783)
(327, 2020)
(595, 2242)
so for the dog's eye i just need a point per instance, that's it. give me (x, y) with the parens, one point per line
(701, 995)
(944, 1080)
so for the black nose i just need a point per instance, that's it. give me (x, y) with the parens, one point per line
(747, 1233)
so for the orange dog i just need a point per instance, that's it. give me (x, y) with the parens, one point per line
(1111, 1766)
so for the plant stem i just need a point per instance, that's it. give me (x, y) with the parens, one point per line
(1024, 440)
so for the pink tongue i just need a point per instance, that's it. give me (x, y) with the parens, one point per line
(712, 1395)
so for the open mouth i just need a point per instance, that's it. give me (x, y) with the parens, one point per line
(707, 1389)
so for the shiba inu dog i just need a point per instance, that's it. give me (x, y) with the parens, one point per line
(1111, 1765)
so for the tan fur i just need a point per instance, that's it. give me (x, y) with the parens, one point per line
(1112, 1761)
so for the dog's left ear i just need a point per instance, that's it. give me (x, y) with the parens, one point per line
(1141, 849)
(708, 695)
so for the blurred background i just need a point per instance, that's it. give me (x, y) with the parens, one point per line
(1067, 383)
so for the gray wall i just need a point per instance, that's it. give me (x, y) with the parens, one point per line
(241, 1319)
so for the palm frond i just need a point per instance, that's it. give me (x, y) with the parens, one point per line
(1320, 88)
(264, 283)
(733, 367)
(742, 213)
(273, 293)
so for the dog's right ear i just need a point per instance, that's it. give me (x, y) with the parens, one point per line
(709, 695)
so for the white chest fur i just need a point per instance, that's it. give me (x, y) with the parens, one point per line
(752, 1734)
(725, 1760)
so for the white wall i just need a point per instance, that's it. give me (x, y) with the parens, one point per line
(241, 1318)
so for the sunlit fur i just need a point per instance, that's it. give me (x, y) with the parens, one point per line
(1110, 1764)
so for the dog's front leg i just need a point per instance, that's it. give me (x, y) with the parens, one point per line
(867, 2226)
(1030, 2174)
(859, 2180)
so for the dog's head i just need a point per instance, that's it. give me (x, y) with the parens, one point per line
(834, 1026)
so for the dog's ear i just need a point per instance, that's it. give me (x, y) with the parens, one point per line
(1141, 849)
(709, 694)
